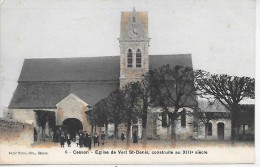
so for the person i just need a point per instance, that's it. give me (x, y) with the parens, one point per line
(85, 140)
(77, 139)
(103, 136)
(52, 135)
(89, 142)
(96, 140)
(135, 137)
(68, 140)
(55, 135)
(81, 140)
(62, 140)
(58, 134)
(122, 136)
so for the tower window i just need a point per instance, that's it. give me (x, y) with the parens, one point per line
(138, 58)
(133, 19)
(129, 58)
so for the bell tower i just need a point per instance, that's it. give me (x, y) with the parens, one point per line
(134, 43)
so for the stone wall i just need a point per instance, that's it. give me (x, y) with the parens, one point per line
(16, 132)
(214, 136)
(127, 41)
(187, 131)
(24, 115)
(182, 132)
(28, 116)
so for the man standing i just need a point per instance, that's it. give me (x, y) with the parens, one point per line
(103, 136)
(62, 140)
(122, 136)
(89, 141)
(96, 139)
(77, 139)
(86, 142)
(81, 140)
(68, 139)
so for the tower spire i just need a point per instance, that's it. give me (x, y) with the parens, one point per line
(134, 9)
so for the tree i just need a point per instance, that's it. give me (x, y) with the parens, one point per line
(91, 118)
(100, 114)
(114, 106)
(228, 90)
(130, 105)
(147, 98)
(174, 89)
(42, 117)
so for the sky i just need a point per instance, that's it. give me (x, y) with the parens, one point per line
(219, 34)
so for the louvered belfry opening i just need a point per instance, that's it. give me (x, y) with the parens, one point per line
(138, 58)
(129, 58)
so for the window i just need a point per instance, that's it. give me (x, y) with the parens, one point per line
(164, 120)
(138, 58)
(209, 129)
(129, 58)
(246, 127)
(183, 118)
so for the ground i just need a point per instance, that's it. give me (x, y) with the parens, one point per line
(155, 152)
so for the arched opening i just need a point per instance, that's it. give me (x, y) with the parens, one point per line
(72, 126)
(135, 133)
(129, 58)
(221, 127)
(138, 58)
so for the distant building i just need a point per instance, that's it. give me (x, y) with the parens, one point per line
(219, 126)
(246, 122)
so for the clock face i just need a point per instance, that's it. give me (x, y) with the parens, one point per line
(133, 32)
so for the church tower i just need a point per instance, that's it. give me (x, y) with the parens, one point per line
(134, 43)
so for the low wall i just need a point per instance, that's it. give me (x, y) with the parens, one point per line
(14, 132)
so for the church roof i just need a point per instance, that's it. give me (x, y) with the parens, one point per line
(36, 95)
(106, 68)
(71, 69)
(208, 106)
(156, 61)
(45, 82)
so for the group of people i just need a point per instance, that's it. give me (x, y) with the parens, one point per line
(82, 139)
(65, 138)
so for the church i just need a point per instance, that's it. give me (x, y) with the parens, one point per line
(69, 87)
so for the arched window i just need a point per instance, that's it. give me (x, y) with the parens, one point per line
(209, 129)
(164, 120)
(138, 58)
(129, 58)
